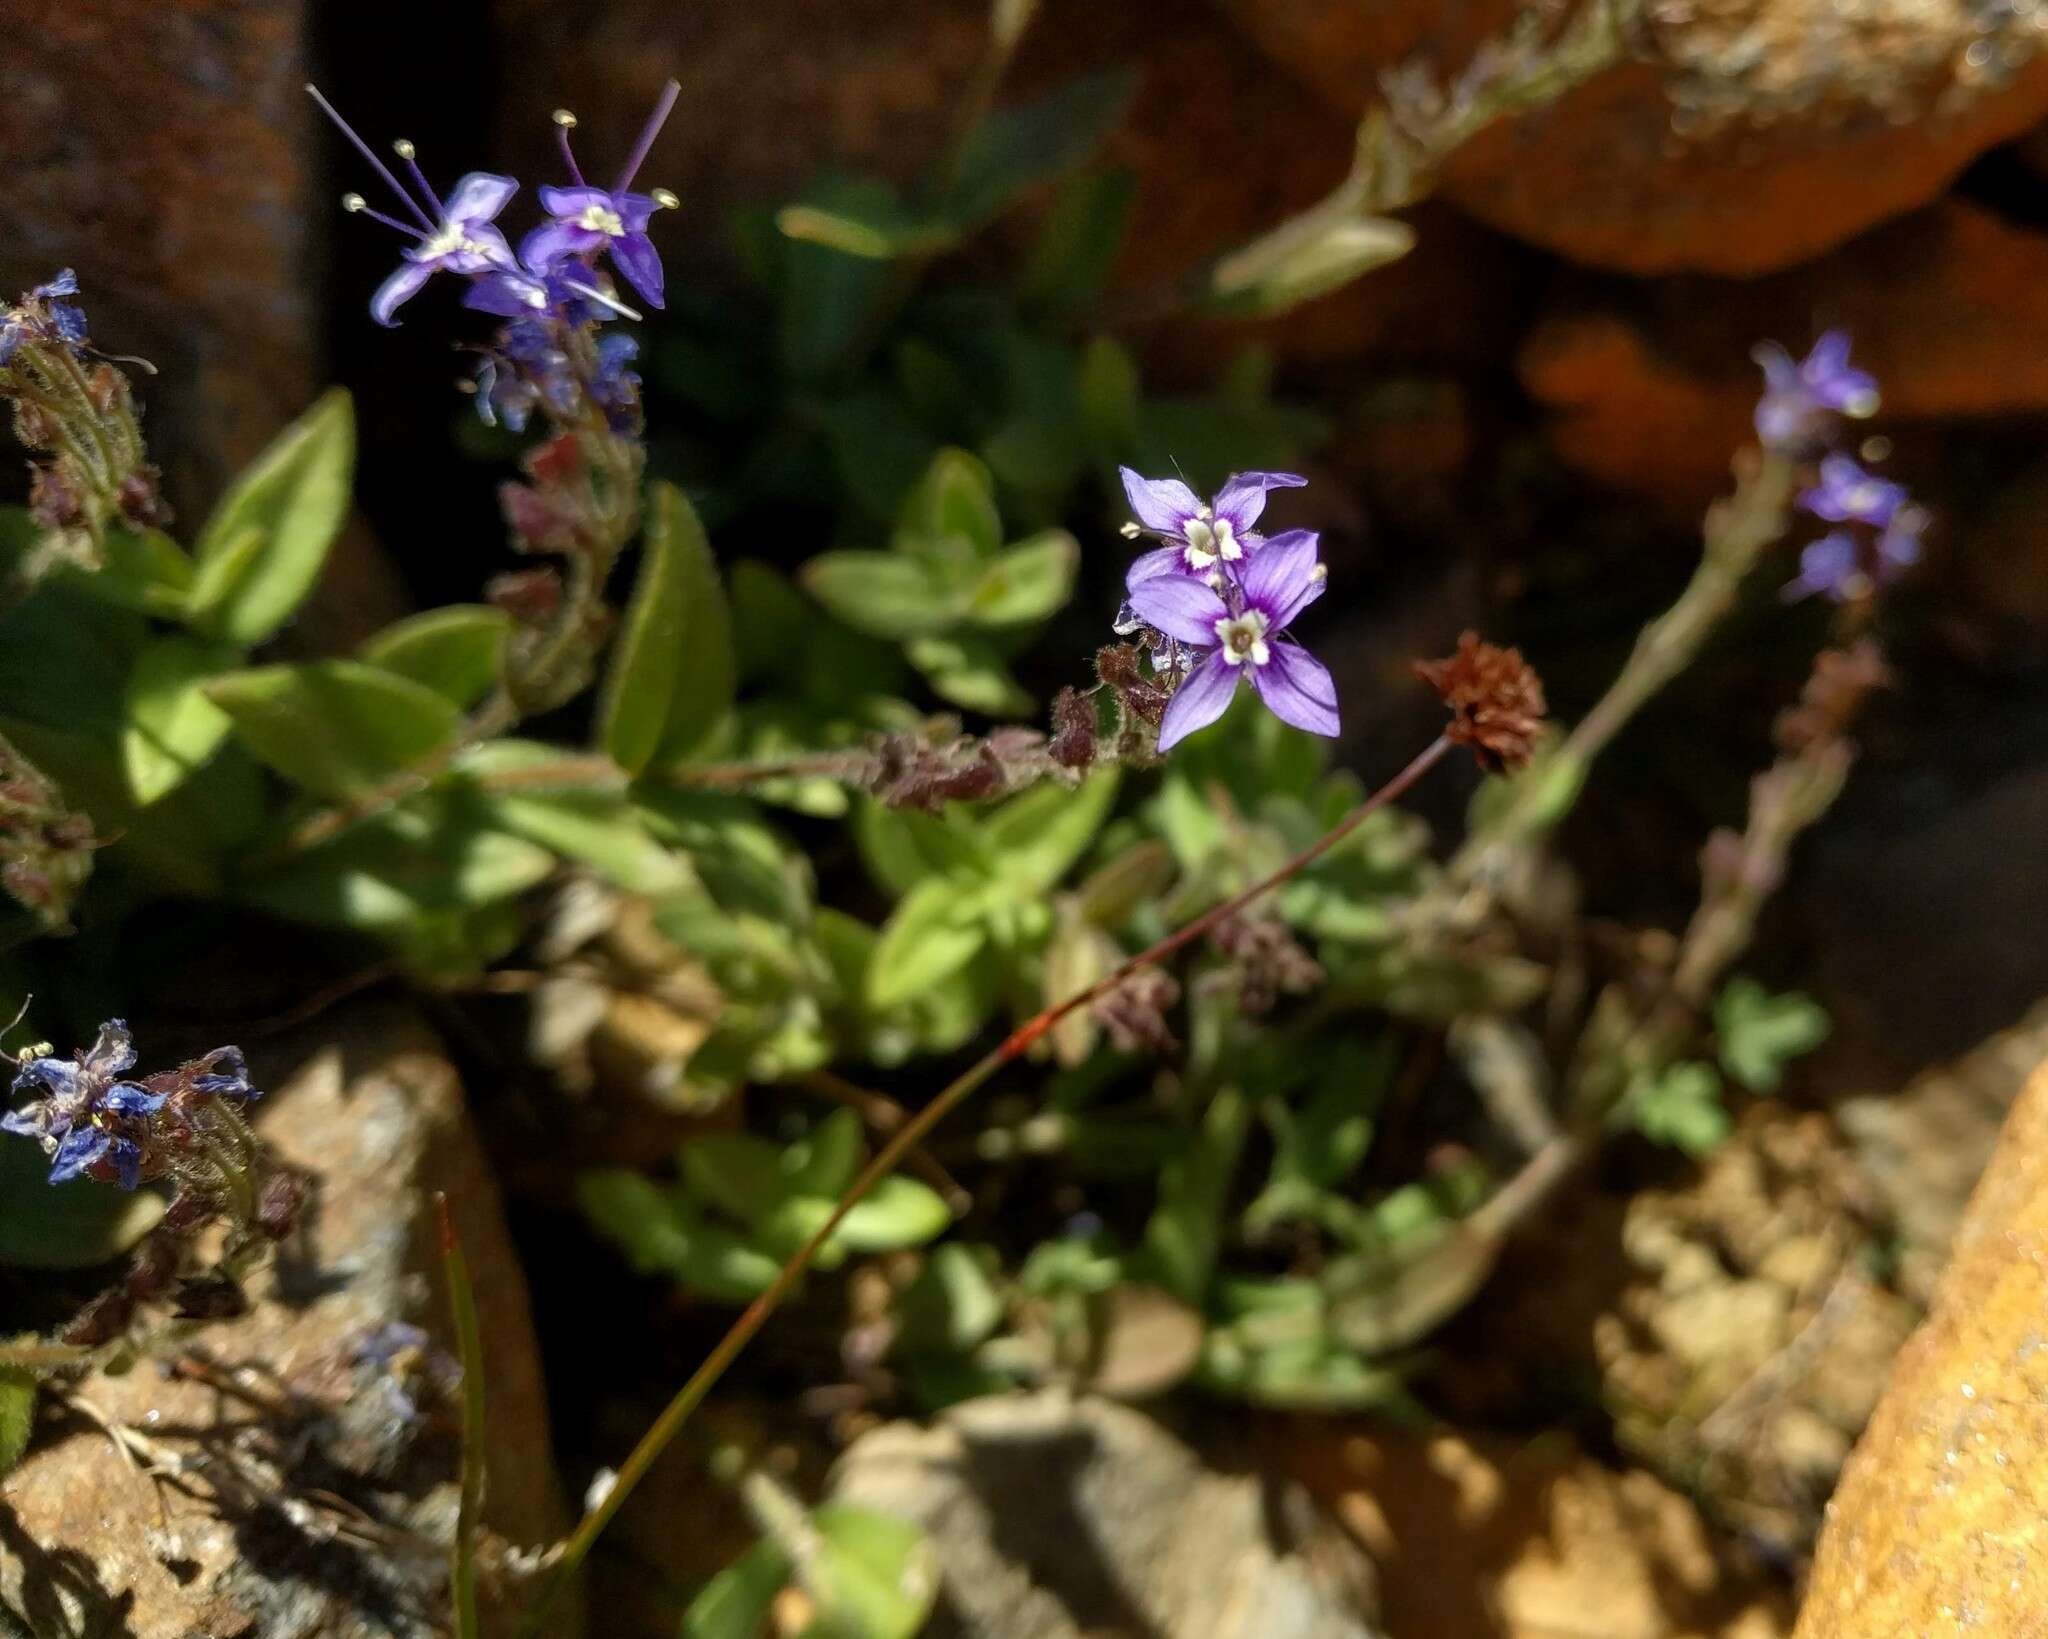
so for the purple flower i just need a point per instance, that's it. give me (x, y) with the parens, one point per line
(1198, 534)
(1843, 568)
(455, 237)
(71, 1088)
(41, 316)
(1848, 494)
(1235, 631)
(1798, 397)
(586, 219)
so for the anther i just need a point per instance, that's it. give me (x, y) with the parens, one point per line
(1130, 532)
(665, 199)
(565, 119)
(403, 148)
(354, 202)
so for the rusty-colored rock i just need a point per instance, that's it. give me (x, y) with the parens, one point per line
(1751, 135)
(1652, 386)
(1937, 1528)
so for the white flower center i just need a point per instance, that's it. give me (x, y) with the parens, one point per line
(598, 219)
(1209, 538)
(448, 241)
(1243, 637)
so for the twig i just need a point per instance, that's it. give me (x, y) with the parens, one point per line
(469, 1343)
(891, 1156)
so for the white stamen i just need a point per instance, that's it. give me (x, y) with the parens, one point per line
(1131, 532)
(666, 199)
(597, 295)
(565, 119)
(403, 148)
(1319, 574)
(354, 202)
(598, 219)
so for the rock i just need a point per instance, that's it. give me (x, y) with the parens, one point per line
(1478, 1534)
(161, 148)
(1936, 1529)
(1750, 135)
(1056, 1518)
(1924, 1146)
(1652, 386)
(344, 1530)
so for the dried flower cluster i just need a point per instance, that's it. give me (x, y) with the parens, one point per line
(1496, 700)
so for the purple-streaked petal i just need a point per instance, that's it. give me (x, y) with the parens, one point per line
(28, 1123)
(58, 1076)
(1283, 578)
(553, 243)
(64, 283)
(1162, 504)
(1243, 495)
(574, 201)
(80, 1149)
(400, 288)
(1198, 702)
(1297, 689)
(479, 197)
(1826, 567)
(635, 210)
(509, 295)
(112, 1052)
(640, 265)
(1161, 560)
(1180, 606)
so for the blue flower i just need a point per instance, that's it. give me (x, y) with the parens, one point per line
(454, 237)
(1847, 493)
(41, 316)
(586, 220)
(1799, 397)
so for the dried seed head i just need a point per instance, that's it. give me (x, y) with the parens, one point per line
(1496, 700)
(1073, 730)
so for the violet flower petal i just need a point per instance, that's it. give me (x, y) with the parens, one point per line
(1297, 688)
(1283, 578)
(1181, 607)
(478, 198)
(405, 283)
(1243, 495)
(82, 1146)
(1162, 504)
(113, 1051)
(640, 264)
(1199, 701)
(1161, 560)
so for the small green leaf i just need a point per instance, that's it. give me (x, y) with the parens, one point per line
(17, 1415)
(172, 728)
(1041, 835)
(339, 728)
(735, 1603)
(903, 848)
(144, 569)
(1759, 1033)
(1028, 582)
(872, 1577)
(659, 1237)
(965, 670)
(924, 941)
(1683, 1108)
(826, 1161)
(672, 675)
(952, 1305)
(1186, 1227)
(898, 1212)
(458, 651)
(954, 500)
(263, 548)
(885, 594)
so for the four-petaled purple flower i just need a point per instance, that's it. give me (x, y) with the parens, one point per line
(42, 315)
(1235, 631)
(1799, 396)
(1198, 534)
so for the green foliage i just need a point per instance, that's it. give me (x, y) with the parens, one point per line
(63, 1226)
(17, 1414)
(337, 728)
(867, 1575)
(1759, 1034)
(1682, 1107)
(457, 651)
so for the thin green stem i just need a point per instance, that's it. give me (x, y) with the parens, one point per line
(469, 1345)
(892, 1155)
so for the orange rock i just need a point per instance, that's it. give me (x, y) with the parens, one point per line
(1653, 385)
(1938, 1527)
(1752, 135)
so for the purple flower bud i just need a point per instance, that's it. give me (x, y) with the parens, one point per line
(1800, 397)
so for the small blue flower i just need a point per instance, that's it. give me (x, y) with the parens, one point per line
(42, 316)
(1235, 631)
(1847, 493)
(586, 220)
(454, 237)
(1799, 397)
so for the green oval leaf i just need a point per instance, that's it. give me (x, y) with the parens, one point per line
(263, 548)
(735, 1603)
(885, 594)
(922, 943)
(339, 728)
(458, 651)
(897, 1213)
(172, 728)
(1028, 582)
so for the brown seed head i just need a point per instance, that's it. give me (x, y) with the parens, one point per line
(1496, 700)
